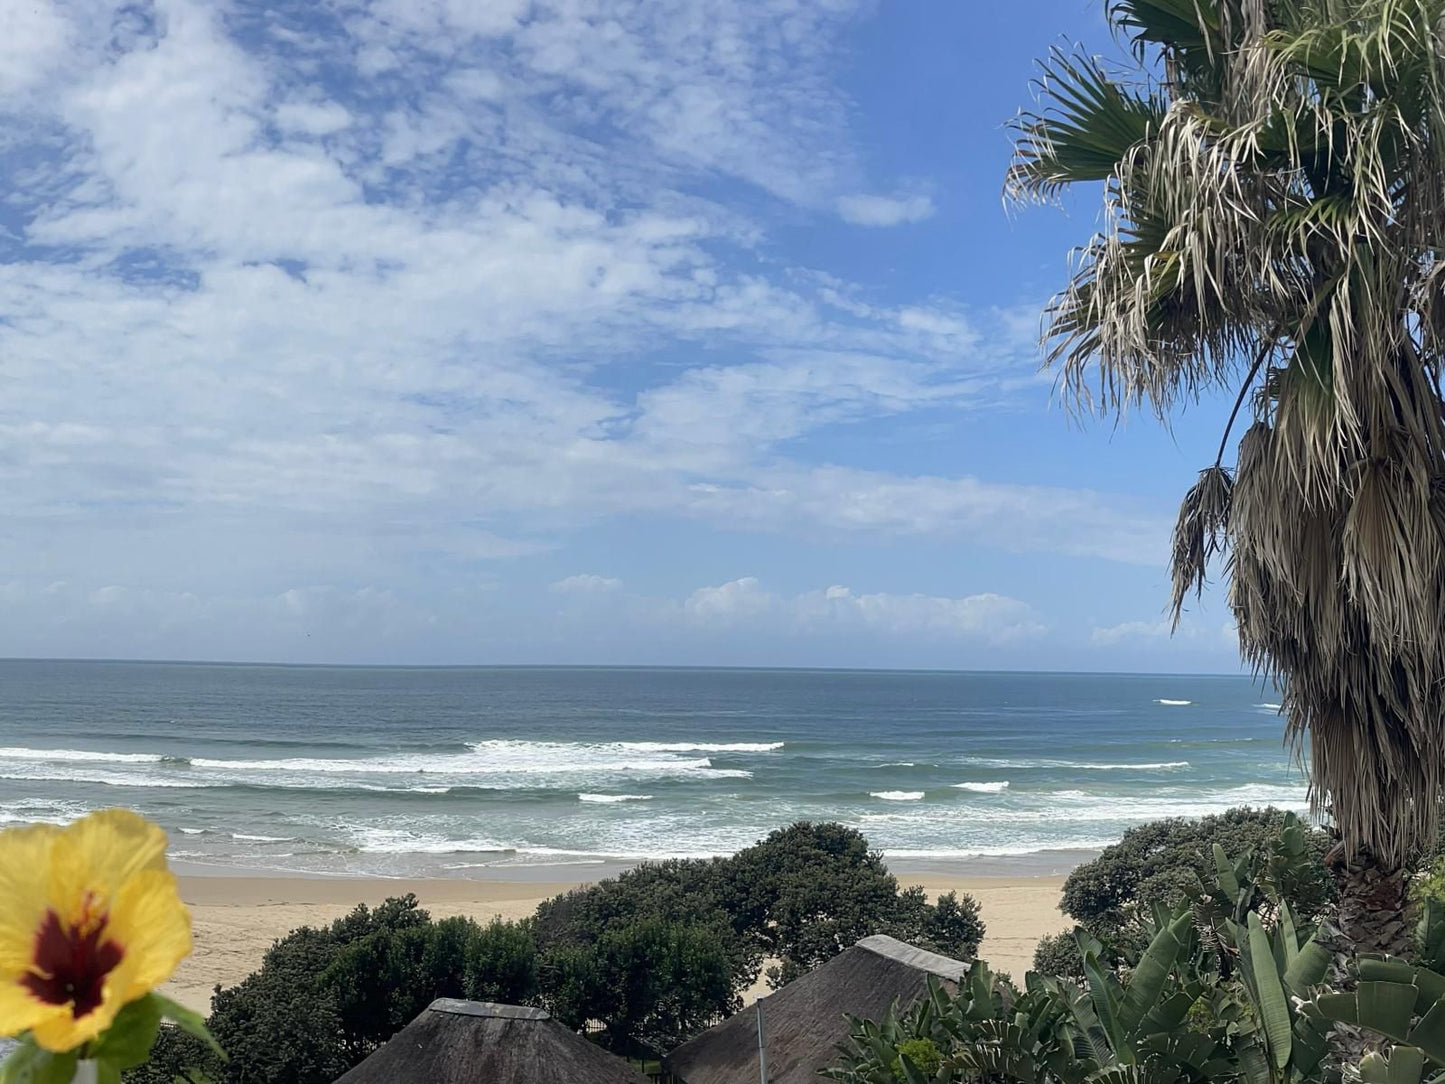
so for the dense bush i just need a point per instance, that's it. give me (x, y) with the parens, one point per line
(1159, 862)
(1230, 986)
(325, 998)
(802, 895)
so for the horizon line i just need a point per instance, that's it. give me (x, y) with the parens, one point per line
(618, 666)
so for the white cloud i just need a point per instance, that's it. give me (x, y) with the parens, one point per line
(265, 328)
(586, 583)
(312, 118)
(728, 603)
(33, 37)
(1192, 631)
(988, 617)
(1130, 631)
(864, 210)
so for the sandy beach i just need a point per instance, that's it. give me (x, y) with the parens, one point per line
(237, 918)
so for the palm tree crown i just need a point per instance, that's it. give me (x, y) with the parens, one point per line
(1274, 205)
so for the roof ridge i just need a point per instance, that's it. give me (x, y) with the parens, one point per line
(487, 1009)
(945, 967)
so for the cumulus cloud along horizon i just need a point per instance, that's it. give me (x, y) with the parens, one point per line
(397, 304)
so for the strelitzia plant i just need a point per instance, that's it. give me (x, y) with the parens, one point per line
(91, 923)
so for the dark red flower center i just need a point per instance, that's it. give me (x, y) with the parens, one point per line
(71, 963)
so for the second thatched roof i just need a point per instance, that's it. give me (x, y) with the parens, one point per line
(478, 1042)
(806, 1020)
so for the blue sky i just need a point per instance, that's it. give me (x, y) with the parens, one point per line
(596, 331)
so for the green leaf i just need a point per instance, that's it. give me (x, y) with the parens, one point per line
(1273, 1008)
(1340, 1008)
(1382, 969)
(1252, 1061)
(1102, 995)
(1308, 968)
(1147, 982)
(1386, 1007)
(1407, 1065)
(1289, 936)
(1429, 1033)
(188, 1021)
(1225, 870)
(128, 1041)
(29, 1064)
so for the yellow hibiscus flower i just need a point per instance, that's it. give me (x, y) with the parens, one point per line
(90, 920)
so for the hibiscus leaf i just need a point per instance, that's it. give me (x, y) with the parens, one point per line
(192, 1023)
(29, 1064)
(128, 1041)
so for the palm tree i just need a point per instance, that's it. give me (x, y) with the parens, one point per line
(1274, 227)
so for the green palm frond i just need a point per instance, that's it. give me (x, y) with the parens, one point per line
(1087, 126)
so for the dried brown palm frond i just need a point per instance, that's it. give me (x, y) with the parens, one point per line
(1274, 190)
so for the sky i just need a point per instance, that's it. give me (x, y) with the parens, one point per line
(682, 332)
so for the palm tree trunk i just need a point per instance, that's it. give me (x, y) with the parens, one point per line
(1373, 915)
(1374, 908)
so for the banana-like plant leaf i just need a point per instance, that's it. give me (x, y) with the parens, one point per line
(1341, 1008)
(1147, 983)
(1105, 1002)
(1386, 1007)
(1385, 969)
(1429, 1033)
(1431, 985)
(1224, 870)
(1308, 968)
(1407, 1066)
(1272, 1007)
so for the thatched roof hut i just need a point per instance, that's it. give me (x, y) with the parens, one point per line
(477, 1042)
(806, 1020)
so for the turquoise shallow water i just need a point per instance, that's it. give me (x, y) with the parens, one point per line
(465, 771)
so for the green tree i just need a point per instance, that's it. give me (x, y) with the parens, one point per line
(1274, 182)
(651, 984)
(1161, 862)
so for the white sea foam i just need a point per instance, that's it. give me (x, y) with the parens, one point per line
(495, 764)
(897, 795)
(896, 764)
(608, 798)
(1079, 765)
(996, 787)
(1173, 703)
(263, 839)
(83, 755)
(1269, 707)
(702, 747)
(191, 831)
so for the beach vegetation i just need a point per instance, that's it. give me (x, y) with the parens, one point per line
(642, 961)
(1273, 180)
(1163, 861)
(1231, 985)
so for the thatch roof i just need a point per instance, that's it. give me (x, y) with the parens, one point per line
(477, 1042)
(806, 1020)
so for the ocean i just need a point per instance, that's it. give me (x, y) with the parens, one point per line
(484, 772)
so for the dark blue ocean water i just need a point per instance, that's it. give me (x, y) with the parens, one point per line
(457, 771)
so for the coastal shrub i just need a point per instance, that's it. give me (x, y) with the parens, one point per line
(812, 890)
(651, 984)
(801, 895)
(1058, 954)
(1160, 862)
(323, 999)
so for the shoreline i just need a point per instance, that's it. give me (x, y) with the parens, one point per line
(238, 914)
(590, 869)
